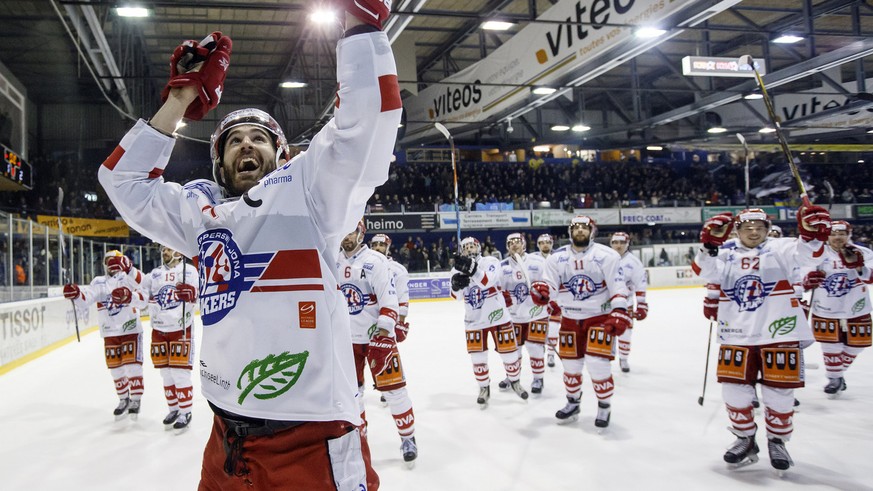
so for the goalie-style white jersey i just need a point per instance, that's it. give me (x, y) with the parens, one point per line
(165, 310)
(757, 303)
(276, 336)
(483, 302)
(401, 283)
(113, 319)
(516, 279)
(634, 278)
(588, 283)
(844, 293)
(367, 281)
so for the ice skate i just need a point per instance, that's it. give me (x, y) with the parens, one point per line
(170, 419)
(779, 458)
(410, 451)
(133, 410)
(536, 387)
(742, 452)
(625, 367)
(604, 411)
(504, 384)
(550, 360)
(568, 413)
(182, 422)
(121, 409)
(518, 389)
(484, 395)
(834, 387)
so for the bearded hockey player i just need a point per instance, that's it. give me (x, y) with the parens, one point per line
(761, 324)
(276, 362)
(635, 279)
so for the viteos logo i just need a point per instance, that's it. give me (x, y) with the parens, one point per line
(456, 99)
(577, 28)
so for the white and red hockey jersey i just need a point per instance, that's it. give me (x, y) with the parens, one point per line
(515, 279)
(634, 277)
(276, 335)
(483, 302)
(844, 293)
(367, 281)
(588, 282)
(401, 284)
(757, 303)
(114, 319)
(165, 310)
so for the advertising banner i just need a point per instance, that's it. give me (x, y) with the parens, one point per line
(86, 227)
(641, 216)
(486, 219)
(434, 286)
(387, 223)
(559, 218)
(711, 211)
(26, 327)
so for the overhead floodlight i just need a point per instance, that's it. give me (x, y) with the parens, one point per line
(560, 127)
(132, 11)
(292, 85)
(496, 25)
(753, 97)
(716, 129)
(788, 39)
(579, 128)
(870, 131)
(542, 148)
(544, 90)
(767, 129)
(654, 148)
(322, 16)
(649, 32)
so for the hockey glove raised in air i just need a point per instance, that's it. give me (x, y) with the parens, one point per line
(852, 257)
(716, 231)
(214, 54)
(118, 264)
(813, 223)
(466, 265)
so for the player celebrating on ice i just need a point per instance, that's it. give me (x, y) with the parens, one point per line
(367, 281)
(530, 321)
(475, 281)
(276, 361)
(635, 279)
(841, 303)
(761, 324)
(587, 282)
(544, 249)
(381, 243)
(172, 291)
(118, 310)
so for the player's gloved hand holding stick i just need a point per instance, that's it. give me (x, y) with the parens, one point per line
(203, 66)
(716, 231)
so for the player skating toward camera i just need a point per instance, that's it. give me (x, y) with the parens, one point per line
(841, 309)
(475, 281)
(586, 280)
(118, 311)
(367, 281)
(761, 324)
(635, 279)
(276, 360)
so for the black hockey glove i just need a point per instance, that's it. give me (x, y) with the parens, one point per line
(460, 281)
(465, 265)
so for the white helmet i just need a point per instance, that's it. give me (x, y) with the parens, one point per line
(471, 247)
(516, 236)
(583, 220)
(544, 238)
(250, 116)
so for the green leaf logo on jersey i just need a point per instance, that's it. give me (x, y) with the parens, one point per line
(129, 325)
(272, 376)
(783, 326)
(493, 316)
(535, 311)
(859, 305)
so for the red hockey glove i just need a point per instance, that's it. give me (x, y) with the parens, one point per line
(373, 12)
(813, 279)
(710, 301)
(805, 306)
(71, 291)
(507, 298)
(117, 264)
(465, 265)
(554, 309)
(716, 231)
(401, 330)
(379, 353)
(214, 53)
(641, 311)
(185, 292)
(851, 256)
(617, 322)
(813, 222)
(121, 295)
(539, 292)
(460, 281)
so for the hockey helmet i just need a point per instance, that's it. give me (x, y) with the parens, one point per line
(544, 239)
(841, 226)
(381, 238)
(516, 237)
(248, 116)
(752, 214)
(775, 231)
(471, 247)
(620, 237)
(580, 220)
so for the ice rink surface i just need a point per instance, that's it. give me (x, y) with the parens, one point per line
(59, 432)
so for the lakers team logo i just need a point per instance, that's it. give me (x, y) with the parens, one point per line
(356, 299)
(475, 297)
(112, 308)
(749, 292)
(838, 285)
(582, 286)
(166, 298)
(520, 292)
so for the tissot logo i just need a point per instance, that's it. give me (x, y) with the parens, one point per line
(456, 99)
(590, 16)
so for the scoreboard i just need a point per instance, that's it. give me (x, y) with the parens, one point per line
(15, 173)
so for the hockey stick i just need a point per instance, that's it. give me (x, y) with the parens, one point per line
(61, 260)
(442, 129)
(748, 60)
(746, 158)
(185, 304)
(706, 369)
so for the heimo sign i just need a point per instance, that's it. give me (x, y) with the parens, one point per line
(398, 223)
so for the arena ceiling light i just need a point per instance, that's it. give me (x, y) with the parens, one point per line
(767, 129)
(322, 17)
(560, 127)
(497, 25)
(753, 97)
(649, 32)
(787, 39)
(580, 128)
(716, 130)
(654, 148)
(290, 84)
(542, 148)
(132, 11)
(544, 90)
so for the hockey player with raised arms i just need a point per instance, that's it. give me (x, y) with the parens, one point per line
(475, 281)
(172, 290)
(118, 311)
(841, 309)
(587, 282)
(761, 324)
(544, 249)
(276, 362)
(635, 279)
(530, 321)
(367, 281)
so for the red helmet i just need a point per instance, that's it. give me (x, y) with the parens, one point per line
(582, 220)
(841, 226)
